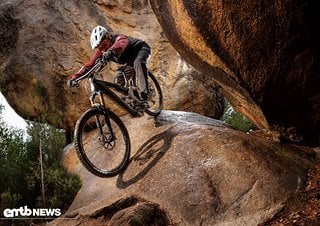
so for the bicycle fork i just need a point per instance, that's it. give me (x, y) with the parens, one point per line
(103, 139)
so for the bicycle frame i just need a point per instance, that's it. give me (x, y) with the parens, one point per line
(100, 87)
(107, 128)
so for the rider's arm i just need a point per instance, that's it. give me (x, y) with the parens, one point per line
(96, 55)
(86, 67)
(119, 45)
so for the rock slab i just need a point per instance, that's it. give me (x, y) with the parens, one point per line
(188, 169)
(265, 56)
(43, 43)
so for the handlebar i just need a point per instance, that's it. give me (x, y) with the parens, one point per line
(95, 68)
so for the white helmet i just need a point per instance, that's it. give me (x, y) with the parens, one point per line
(97, 34)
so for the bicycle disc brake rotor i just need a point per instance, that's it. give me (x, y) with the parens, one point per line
(107, 141)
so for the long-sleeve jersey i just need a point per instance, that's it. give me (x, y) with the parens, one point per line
(125, 50)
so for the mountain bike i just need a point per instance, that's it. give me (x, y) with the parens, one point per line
(101, 139)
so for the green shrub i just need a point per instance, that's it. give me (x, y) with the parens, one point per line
(21, 180)
(8, 200)
(236, 120)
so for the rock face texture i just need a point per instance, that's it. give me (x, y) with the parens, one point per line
(185, 169)
(188, 169)
(43, 43)
(265, 56)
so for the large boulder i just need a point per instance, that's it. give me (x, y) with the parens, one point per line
(43, 43)
(264, 54)
(191, 170)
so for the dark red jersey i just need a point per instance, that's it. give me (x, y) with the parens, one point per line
(125, 51)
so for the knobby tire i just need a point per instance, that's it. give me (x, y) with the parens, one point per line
(157, 111)
(121, 133)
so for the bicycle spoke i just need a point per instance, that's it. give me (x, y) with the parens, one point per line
(102, 150)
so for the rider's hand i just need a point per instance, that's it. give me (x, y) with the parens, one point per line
(71, 83)
(106, 57)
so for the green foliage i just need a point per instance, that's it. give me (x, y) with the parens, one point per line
(9, 200)
(61, 187)
(13, 160)
(52, 142)
(236, 120)
(20, 171)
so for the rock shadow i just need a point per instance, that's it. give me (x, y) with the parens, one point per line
(146, 158)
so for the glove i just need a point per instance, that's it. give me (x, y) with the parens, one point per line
(70, 83)
(106, 57)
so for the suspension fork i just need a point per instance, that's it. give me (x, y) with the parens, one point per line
(107, 121)
(101, 100)
(101, 107)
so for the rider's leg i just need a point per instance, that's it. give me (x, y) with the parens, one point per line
(140, 68)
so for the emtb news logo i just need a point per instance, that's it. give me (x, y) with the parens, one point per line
(26, 212)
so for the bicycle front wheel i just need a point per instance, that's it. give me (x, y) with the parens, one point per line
(102, 142)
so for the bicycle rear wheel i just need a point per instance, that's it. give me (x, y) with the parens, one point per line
(102, 142)
(155, 98)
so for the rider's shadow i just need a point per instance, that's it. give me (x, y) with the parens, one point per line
(146, 158)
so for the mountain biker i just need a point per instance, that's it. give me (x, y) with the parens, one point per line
(121, 49)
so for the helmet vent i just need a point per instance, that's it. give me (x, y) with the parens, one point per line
(97, 34)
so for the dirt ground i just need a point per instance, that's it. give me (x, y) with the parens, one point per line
(306, 209)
